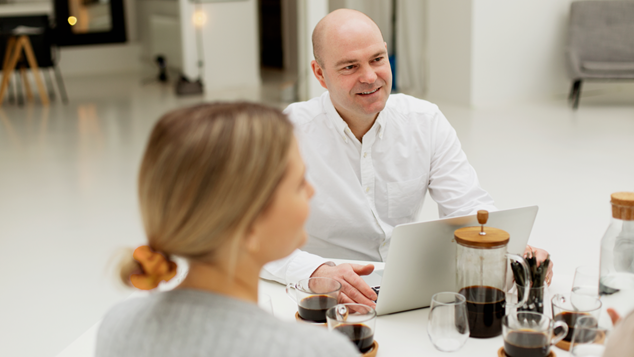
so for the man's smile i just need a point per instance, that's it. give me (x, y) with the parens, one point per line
(370, 92)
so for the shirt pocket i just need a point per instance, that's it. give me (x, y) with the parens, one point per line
(405, 197)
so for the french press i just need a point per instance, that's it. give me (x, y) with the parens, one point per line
(481, 267)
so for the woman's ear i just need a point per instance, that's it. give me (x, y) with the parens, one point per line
(252, 241)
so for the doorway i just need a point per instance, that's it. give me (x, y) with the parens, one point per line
(278, 49)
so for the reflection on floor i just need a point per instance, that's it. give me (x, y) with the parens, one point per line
(68, 200)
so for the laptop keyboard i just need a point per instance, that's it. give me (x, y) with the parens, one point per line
(376, 290)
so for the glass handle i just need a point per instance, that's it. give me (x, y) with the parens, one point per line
(288, 291)
(560, 336)
(527, 281)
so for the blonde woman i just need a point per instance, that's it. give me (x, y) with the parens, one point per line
(221, 185)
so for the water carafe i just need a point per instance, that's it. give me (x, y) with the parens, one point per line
(481, 268)
(616, 282)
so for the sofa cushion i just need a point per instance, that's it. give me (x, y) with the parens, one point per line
(608, 66)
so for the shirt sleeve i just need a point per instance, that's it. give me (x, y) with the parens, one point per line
(453, 183)
(297, 266)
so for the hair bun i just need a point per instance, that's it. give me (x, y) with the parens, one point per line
(156, 268)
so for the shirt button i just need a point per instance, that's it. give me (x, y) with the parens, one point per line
(365, 154)
(367, 189)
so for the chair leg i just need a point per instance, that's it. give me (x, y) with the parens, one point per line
(9, 65)
(25, 81)
(11, 90)
(575, 104)
(60, 84)
(573, 89)
(30, 57)
(49, 84)
(18, 89)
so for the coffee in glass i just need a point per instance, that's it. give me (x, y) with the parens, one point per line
(481, 262)
(570, 310)
(530, 334)
(355, 321)
(314, 296)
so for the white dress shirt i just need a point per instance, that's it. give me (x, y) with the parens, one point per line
(363, 189)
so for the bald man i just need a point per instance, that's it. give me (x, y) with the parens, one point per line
(371, 156)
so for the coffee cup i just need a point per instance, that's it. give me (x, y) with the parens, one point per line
(314, 296)
(531, 334)
(356, 321)
(569, 310)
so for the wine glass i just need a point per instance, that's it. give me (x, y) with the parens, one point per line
(588, 339)
(585, 286)
(448, 327)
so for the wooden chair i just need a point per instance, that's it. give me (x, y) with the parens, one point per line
(43, 41)
(19, 42)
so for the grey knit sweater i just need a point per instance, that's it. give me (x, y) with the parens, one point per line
(189, 322)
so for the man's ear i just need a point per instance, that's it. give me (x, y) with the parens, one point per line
(318, 72)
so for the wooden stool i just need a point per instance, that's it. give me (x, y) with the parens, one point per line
(15, 45)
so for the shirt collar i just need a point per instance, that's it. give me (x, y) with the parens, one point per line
(342, 126)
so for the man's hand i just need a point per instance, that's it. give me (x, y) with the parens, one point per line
(353, 288)
(541, 255)
(614, 316)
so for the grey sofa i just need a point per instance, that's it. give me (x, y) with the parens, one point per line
(600, 43)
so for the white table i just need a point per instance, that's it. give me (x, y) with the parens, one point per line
(401, 334)
(405, 333)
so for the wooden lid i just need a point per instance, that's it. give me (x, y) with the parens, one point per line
(623, 205)
(481, 237)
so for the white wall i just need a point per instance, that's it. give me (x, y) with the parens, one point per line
(515, 50)
(146, 10)
(518, 50)
(449, 46)
(230, 41)
(100, 59)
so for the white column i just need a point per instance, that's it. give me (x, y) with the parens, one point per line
(230, 44)
(309, 14)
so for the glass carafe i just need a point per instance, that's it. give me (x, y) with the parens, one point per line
(481, 268)
(616, 282)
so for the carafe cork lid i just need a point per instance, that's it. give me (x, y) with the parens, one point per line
(623, 205)
(481, 237)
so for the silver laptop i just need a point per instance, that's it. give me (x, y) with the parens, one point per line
(422, 257)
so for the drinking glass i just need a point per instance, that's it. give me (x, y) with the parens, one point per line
(565, 310)
(585, 286)
(588, 339)
(314, 296)
(537, 299)
(530, 334)
(356, 321)
(448, 327)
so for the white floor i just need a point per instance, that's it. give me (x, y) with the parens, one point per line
(68, 201)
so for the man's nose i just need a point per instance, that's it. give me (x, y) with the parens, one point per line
(368, 75)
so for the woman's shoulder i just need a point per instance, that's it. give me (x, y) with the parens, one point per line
(290, 338)
(195, 322)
